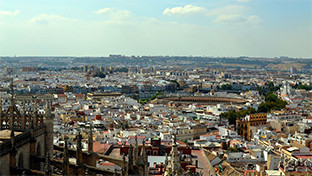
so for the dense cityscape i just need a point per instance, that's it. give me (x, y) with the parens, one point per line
(155, 115)
(155, 88)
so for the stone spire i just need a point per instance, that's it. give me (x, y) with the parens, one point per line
(90, 140)
(79, 150)
(143, 153)
(81, 167)
(130, 159)
(173, 166)
(175, 157)
(12, 93)
(143, 160)
(65, 169)
(47, 166)
(135, 150)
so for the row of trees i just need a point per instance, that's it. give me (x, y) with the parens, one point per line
(144, 101)
(302, 86)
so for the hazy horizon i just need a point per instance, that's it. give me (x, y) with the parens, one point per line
(214, 28)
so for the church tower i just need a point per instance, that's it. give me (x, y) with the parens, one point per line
(174, 167)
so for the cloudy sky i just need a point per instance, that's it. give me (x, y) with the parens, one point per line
(268, 28)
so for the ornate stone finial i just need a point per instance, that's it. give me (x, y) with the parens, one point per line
(174, 141)
(47, 166)
(12, 92)
(175, 158)
(136, 140)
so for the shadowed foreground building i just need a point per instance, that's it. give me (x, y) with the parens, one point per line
(26, 148)
(25, 138)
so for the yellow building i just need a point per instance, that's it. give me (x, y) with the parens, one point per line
(243, 125)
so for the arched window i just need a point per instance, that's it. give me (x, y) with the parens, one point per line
(20, 161)
(38, 150)
(38, 153)
(148, 152)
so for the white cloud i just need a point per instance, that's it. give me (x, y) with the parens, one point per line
(104, 10)
(191, 9)
(226, 10)
(9, 13)
(186, 10)
(243, 0)
(115, 14)
(48, 18)
(229, 18)
(225, 14)
(254, 19)
(234, 18)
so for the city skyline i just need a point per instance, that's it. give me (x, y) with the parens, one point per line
(204, 28)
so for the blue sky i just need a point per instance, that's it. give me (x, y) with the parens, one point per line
(256, 28)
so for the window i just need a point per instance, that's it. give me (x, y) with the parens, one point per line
(20, 161)
(148, 152)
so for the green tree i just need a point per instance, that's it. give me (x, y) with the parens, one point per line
(233, 115)
(226, 87)
(272, 102)
(155, 96)
(143, 101)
